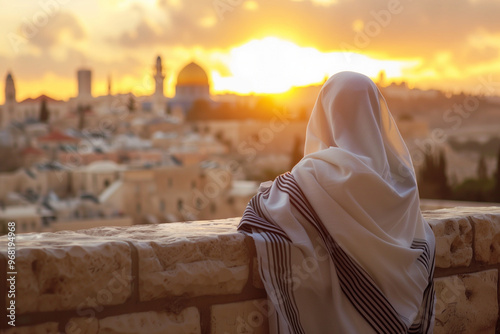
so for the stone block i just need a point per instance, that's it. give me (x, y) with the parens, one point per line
(467, 303)
(187, 259)
(68, 270)
(256, 279)
(487, 236)
(153, 322)
(453, 232)
(244, 317)
(88, 325)
(45, 328)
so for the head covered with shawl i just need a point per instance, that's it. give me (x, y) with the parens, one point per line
(354, 199)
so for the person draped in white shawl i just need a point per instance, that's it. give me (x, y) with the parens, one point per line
(341, 242)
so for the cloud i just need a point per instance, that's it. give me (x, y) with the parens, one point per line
(144, 34)
(128, 38)
(390, 27)
(35, 66)
(58, 26)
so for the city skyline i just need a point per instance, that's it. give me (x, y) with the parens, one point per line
(247, 46)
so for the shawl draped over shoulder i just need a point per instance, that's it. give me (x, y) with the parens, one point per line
(341, 242)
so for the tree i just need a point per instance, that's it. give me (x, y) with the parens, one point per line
(497, 179)
(131, 104)
(44, 111)
(200, 111)
(297, 152)
(482, 171)
(433, 178)
(444, 187)
(3, 227)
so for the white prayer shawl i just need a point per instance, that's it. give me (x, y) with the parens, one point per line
(341, 241)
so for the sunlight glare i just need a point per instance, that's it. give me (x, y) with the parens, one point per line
(273, 65)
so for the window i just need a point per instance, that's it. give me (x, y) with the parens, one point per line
(180, 204)
(213, 208)
(138, 208)
(162, 205)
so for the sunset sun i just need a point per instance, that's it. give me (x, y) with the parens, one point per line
(274, 65)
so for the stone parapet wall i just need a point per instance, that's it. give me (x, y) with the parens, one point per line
(201, 277)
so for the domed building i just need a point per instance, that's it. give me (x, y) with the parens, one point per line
(192, 85)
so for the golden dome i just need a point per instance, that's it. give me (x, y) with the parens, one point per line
(192, 74)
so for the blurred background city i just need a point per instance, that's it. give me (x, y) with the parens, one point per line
(122, 112)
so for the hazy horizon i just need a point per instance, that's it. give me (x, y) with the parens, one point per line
(248, 46)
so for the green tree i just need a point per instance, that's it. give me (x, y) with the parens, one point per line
(433, 181)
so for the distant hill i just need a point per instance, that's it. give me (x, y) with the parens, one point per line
(39, 99)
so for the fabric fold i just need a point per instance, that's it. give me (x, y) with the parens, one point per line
(341, 242)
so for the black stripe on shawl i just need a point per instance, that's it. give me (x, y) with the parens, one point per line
(422, 324)
(253, 217)
(355, 282)
(279, 258)
(425, 257)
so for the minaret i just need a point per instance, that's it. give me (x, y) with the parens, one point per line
(109, 85)
(10, 90)
(8, 113)
(159, 78)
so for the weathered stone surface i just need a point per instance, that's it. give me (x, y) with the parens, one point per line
(189, 259)
(89, 325)
(193, 266)
(245, 317)
(66, 270)
(467, 303)
(46, 328)
(90, 268)
(256, 279)
(487, 234)
(186, 322)
(453, 233)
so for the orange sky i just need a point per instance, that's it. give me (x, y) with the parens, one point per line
(249, 46)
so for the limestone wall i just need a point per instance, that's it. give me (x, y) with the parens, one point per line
(201, 277)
